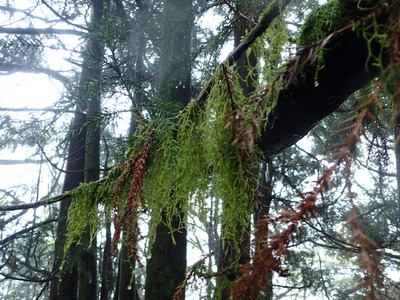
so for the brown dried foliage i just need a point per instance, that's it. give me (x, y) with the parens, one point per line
(134, 168)
(369, 255)
(271, 248)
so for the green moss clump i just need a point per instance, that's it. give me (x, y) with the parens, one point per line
(319, 23)
(332, 16)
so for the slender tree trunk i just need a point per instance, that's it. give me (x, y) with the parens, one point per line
(167, 266)
(126, 288)
(263, 208)
(397, 154)
(107, 267)
(73, 280)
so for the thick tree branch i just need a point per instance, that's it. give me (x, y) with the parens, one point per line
(314, 94)
(311, 94)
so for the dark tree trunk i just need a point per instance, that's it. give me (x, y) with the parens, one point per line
(167, 266)
(107, 267)
(126, 287)
(66, 287)
(94, 52)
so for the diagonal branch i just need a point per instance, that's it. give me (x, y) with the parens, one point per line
(45, 109)
(64, 19)
(26, 12)
(270, 13)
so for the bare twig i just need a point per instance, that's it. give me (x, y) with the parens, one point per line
(35, 204)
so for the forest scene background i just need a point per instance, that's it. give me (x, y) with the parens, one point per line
(199, 149)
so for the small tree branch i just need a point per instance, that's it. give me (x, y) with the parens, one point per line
(26, 230)
(26, 279)
(19, 161)
(27, 12)
(46, 109)
(37, 31)
(14, 68)
(35, 204)
(64, 19)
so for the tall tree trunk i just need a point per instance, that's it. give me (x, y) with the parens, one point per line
(66, 287)
(126, 287)
(94, 53)
(167, 266)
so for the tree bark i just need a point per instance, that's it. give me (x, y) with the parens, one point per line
(167, 266)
